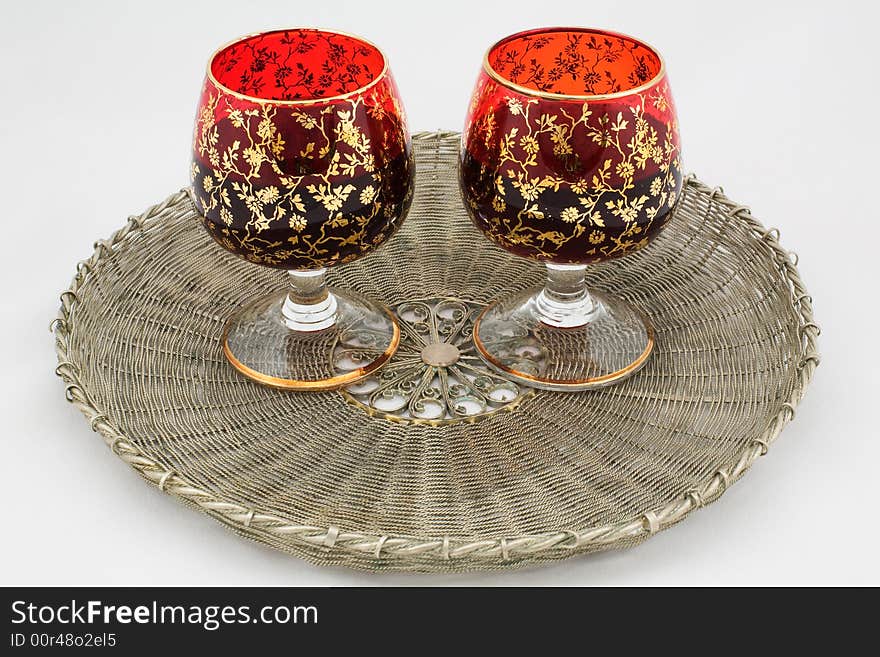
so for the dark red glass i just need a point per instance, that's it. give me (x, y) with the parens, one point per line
(570, 155)
(301, 154)
(570, 152)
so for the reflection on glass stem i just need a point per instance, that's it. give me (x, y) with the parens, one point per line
(309, 305)
(565, 301)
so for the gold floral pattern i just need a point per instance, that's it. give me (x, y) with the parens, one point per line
(570, 181)
(302, 186)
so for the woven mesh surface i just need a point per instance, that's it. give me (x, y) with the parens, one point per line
(138, 342)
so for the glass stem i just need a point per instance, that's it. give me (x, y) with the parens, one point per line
(309, 305)
(565, 302)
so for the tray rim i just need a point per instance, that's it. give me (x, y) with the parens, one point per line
(396, 551)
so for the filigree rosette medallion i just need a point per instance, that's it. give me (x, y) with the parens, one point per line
(436, 376)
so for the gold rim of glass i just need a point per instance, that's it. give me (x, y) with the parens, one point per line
(527, 91)
(303, 101)
(571, 384)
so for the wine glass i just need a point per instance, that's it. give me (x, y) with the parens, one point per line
(302, 161)
(570, 156)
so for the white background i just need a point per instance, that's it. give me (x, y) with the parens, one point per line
(777, 103)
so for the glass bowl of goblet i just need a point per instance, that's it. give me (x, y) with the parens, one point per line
(570, 156)
(302, 161)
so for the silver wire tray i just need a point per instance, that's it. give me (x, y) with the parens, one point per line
(441, 470)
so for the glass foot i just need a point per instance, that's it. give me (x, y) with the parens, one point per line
(512, 339)
(265, 341)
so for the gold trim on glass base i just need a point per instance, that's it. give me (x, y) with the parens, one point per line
(321, 360)
(612, 347)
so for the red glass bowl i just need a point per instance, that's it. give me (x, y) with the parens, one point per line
(301, 154)
(571, 152)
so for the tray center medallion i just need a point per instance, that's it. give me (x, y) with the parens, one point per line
(440, 354)
(436, 376)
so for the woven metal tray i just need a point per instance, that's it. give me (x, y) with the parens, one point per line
(338, 478)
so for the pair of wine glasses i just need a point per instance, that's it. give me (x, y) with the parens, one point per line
(302, 161)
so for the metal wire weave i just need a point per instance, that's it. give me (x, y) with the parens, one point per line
(560, 474)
